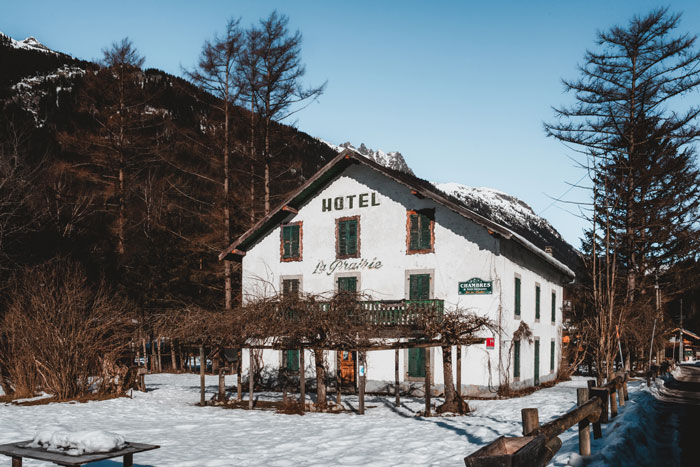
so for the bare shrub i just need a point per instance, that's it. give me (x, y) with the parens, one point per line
(62, 335)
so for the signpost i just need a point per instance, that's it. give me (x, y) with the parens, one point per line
(476, 286)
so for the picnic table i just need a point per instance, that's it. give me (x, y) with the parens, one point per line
(18, 450)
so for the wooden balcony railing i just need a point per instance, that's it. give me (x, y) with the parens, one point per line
(392, 312)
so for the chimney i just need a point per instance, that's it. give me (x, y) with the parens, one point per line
(548, 250)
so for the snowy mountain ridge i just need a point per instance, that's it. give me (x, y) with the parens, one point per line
(493, 204)
(502, 207)
(393, 160)
(30, 43)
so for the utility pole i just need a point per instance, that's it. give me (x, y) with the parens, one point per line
(653, 330)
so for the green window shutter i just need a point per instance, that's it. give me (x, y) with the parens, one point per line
(516, 359)
(347, 284)
(414, 241)
(292, 357)
(419, 287)
(290, 241)
(554, 307)
(537, 302)
(537, 362)
(342, 238)
(290, 287)
(424, 232)
(517, 296)
(551, 357)
(352, 237)
(286, 241)
(295, 241)
(347, 237)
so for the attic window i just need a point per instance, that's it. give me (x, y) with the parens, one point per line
(290, 247)
(420, 231)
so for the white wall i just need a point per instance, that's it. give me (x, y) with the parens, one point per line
(463, 250)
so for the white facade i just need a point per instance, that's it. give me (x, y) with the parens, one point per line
(462, 250)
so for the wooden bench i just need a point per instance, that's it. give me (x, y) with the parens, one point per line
(17, 451)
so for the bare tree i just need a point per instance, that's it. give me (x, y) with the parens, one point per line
(218, 72)
(276, 82)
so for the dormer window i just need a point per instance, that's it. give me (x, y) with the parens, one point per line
(420, 226)
(290, 248)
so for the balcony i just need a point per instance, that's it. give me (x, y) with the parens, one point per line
(389, 313)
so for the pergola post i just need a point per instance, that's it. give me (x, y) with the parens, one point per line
(396, 379)
(427, 382)
(251, 379)
(202, 365)
(302, 380)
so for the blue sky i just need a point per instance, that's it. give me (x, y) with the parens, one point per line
(459, 88)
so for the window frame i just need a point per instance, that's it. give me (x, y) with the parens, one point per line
(298, 257)
(538, 302)
(338, 220)
(554, 306)
(429, 213)
(516, 359)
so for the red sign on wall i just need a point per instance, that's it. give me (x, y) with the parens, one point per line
(489, 343)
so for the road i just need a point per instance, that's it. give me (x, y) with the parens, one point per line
(679, 416)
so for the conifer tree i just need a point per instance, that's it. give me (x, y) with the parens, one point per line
(636, 136)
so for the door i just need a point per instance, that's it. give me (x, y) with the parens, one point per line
(416, 363)
(347, 367)
(537, 362)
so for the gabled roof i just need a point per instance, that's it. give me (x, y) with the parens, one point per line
(685, 332)
(419, 187)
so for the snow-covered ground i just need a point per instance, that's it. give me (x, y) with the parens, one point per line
(210, 436)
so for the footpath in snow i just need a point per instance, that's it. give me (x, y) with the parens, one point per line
(386, 436)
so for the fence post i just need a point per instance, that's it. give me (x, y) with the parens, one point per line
(601, 393)
(531, 420)
(584, 432)
(613, 402)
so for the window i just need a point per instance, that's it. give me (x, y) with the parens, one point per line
(516, 359)
(291, 242)
(420, 226)
(419, 287)
(291, 360)
(517, 297)
(290, 287)
(347, 284)
(347, 236)
(537, 302)
(551, 357)
(554, 307)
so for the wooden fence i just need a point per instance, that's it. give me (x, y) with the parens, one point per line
(540, 443)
